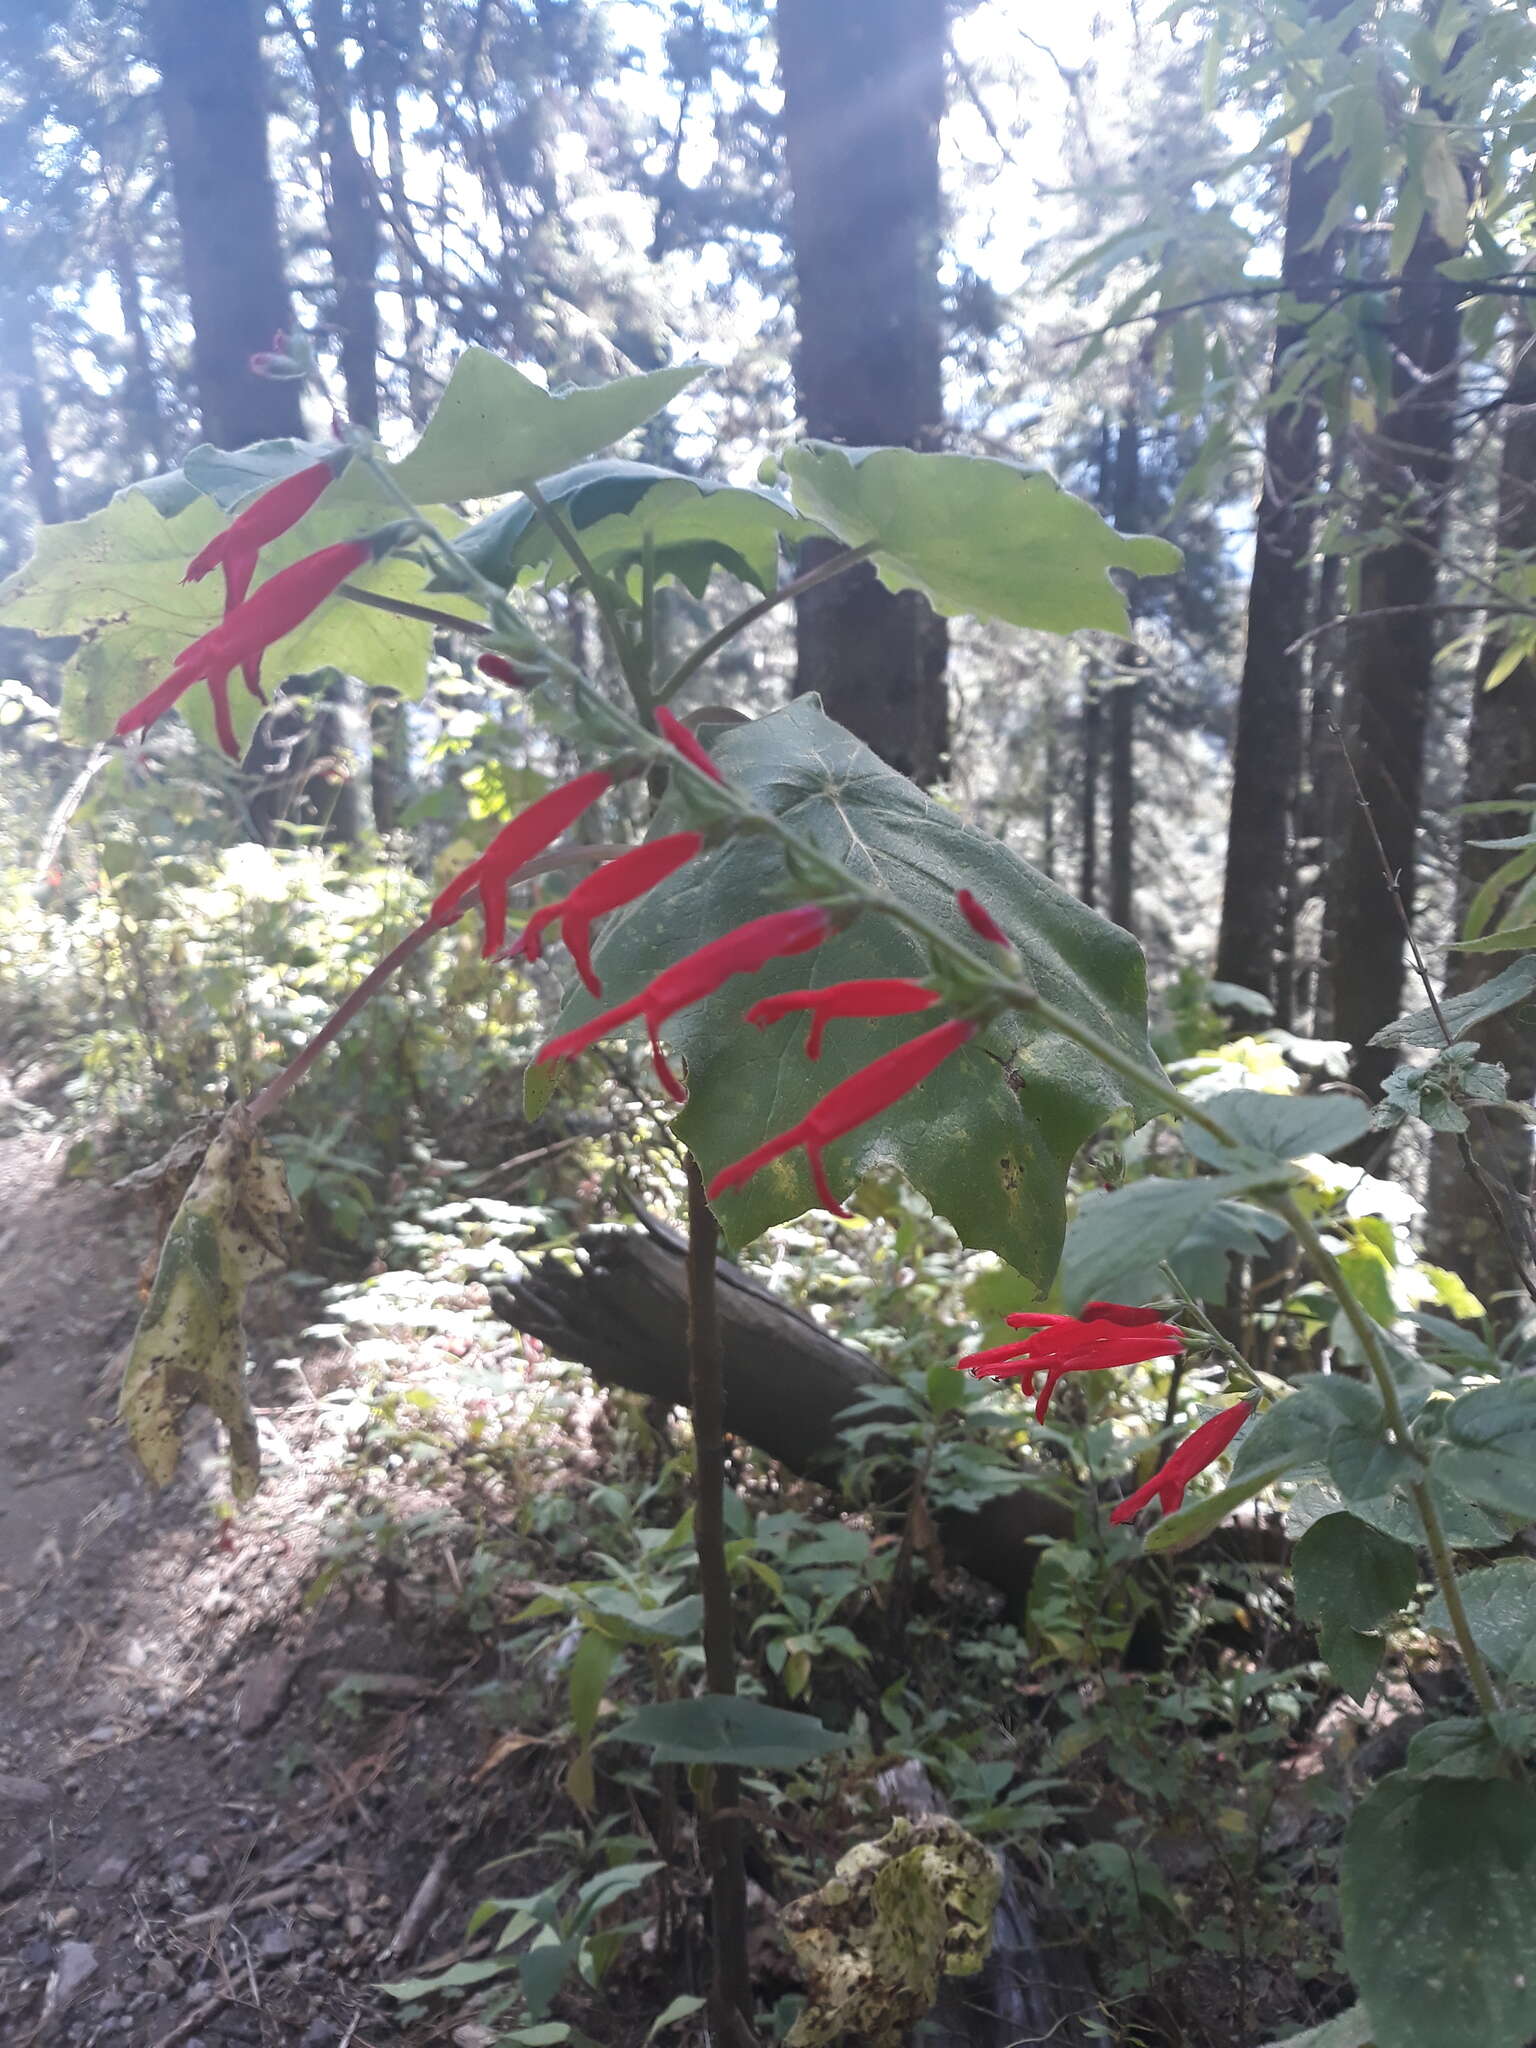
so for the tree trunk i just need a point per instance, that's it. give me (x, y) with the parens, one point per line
(213, 103)
(1255, 937)
(863, 97)
(1390, 646)
(1122, 702)
(141, 401)
(1501, 756)
(352, 226)
(31, 407)
(623, 1313)
(1088, 794)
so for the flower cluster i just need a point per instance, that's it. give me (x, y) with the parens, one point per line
(779, 935)
(251, 625)
(1107, 1334)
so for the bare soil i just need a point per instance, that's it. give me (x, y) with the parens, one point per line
(201, 1839)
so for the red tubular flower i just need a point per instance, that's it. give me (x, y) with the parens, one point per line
(743, 951)
(980, 919)
(516, 843)
(1198, 1450)
(676, 734)
(500, 670)
(607, 888)
(851, 1103)
(263, 520)
(896, 997)
(1106, 1334)
(243, 636)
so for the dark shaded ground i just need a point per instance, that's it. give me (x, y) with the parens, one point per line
(198, 1843)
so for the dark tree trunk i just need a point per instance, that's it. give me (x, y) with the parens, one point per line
(351, 220)
(1390, 646)
(31, 408)
(1123, 701)
(863, 97)
(1088, 794)
(1255, 938)
(141, 400)
(396, 31)
(1501, 756)
(213, 102)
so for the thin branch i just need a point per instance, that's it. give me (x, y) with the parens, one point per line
(403, 608)
(796, 587)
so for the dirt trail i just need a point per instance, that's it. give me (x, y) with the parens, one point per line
(168, 1755)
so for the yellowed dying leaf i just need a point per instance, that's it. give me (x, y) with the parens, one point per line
(190, 1344)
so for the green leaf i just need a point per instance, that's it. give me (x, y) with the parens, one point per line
(1275, 1128)
(495, 430)
(976, 534)
(693, 525)
(456, 1977)
(1467, 1748)
(1350, 2029)
(543, 1970)
(714, 1729)
(1514, 984)
(683, 2007)
(231, 475)
(1489, 1449)
(1350, 1575)
(1297, 1431)
(1353, 1658)
(622, 1615)
(1501, 1611)
(1438, 1892)
(587, 1675)
(1117, 1241)
(989, 1137)
(1519, 938)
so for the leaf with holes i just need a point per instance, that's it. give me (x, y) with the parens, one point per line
(1438, 1890)
(989, 1137)
(617, 509)
(976, 534)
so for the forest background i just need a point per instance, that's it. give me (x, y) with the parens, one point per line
(1250, 276)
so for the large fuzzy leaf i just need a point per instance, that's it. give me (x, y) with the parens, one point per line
(976, 534)
(989, 1137)
(495, 430)
(693, 524)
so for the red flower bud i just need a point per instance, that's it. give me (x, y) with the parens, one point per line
(1198, 1450)
(607, 888)
(676, 734)
(500, 670)
(851, 1103)
(980, 919)
(895, 997)
(533, 829)
(691, 979)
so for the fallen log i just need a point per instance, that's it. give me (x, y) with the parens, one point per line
(621, 1311)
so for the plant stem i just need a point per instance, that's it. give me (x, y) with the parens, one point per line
(796, 587)
(731, 1991)
(404, 608)
(603, 597)
(1441, 1560)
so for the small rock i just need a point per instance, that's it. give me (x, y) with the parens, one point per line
(74, 1969)
(198, 1869)
(110, 2002)
(29, 1792)
(23, 1873)
(357, 1926)
(264, 1693)
(319, 2034)
(161, 1972)
(102, 1732)
(276, 1945)
(66, 1916)
(110, 1872)
(35, 1954)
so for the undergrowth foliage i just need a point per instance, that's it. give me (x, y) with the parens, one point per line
(837, 976)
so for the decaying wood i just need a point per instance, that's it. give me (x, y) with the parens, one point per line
(621, 1311)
